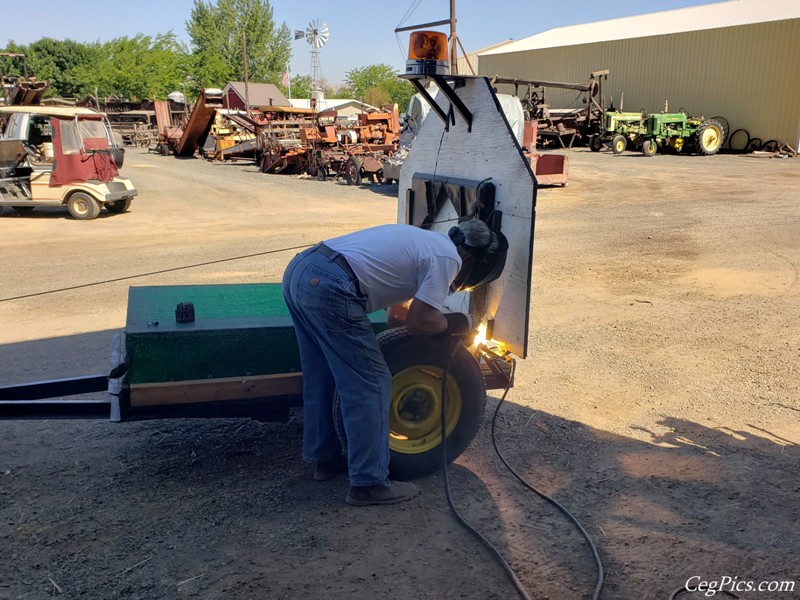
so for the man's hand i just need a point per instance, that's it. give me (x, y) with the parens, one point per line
(458, 324)
(397, 314)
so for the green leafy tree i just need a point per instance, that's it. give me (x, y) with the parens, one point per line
(139, 67)
(13, 66)
(370, 80)
(377, 96)
(217, 30)
(301, 86)
(61, 62)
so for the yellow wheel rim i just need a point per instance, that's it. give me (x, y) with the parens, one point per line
(710, 138)
(415, 412)
(620, 146)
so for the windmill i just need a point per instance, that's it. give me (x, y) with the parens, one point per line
(316, 35)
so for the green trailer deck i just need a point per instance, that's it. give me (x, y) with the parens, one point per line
(241, 345)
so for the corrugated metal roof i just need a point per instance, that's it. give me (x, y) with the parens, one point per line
(695, 18)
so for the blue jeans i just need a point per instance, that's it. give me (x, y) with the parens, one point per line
(339, 352)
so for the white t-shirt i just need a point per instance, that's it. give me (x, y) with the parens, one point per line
(394, 263)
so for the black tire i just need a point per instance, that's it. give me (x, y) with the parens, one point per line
(649, 148)
(596, 143)
(120, 206)
(23, 210)
(322, 173)
(739, 147)
(83, 207)
(754, 145)
(770, 146)
(618, 144)
(352, 171)
(417, 363)
(726, 128)
(709, 137)
(164, 149)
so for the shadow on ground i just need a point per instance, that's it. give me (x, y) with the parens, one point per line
(226, 509)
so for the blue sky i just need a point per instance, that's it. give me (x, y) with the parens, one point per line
(361, 34)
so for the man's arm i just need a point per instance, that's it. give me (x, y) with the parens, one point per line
(423, 319)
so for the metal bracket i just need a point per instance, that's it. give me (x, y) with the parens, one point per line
(449, 92)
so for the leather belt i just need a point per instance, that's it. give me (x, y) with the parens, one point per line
(337, 258)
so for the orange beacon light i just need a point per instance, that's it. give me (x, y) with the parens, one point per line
(427, 54)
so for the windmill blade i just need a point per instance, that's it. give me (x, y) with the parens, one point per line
(317, 33)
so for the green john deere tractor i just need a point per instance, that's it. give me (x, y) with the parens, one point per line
(649, 132)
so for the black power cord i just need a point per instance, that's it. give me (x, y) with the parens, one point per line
(523, 592)
(494, 551)
(541, 494)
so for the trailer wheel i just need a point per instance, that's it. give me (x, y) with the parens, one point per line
(83, 207)
(417, 363)
(649, 148)
(352, 171)
(708, 137)
(618, 144)
(596, 143)
(120, 206)
(322, 173)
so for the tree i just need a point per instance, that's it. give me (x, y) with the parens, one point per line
(379, 82)
(13, 66)
(377, 96)
(61, 62)
(218, 29)
(139, 67)
(301, 86)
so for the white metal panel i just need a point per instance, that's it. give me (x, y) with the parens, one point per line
(490, 150)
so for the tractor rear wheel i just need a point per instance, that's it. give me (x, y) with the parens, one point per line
(708, 137)
(618, 144)
(415, 425)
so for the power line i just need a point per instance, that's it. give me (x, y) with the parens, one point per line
(203, 264)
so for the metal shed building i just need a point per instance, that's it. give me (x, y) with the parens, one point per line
(737, 59)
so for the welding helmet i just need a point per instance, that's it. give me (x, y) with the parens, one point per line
(487, 250)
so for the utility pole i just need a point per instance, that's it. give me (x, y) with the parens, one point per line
(453, 38)
(246, 88)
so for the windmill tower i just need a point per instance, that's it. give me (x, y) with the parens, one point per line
(316, 35)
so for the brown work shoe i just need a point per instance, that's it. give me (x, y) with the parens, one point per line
(390, 493)
(330, 469)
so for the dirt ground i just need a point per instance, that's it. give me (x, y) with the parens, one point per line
(659, 402)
